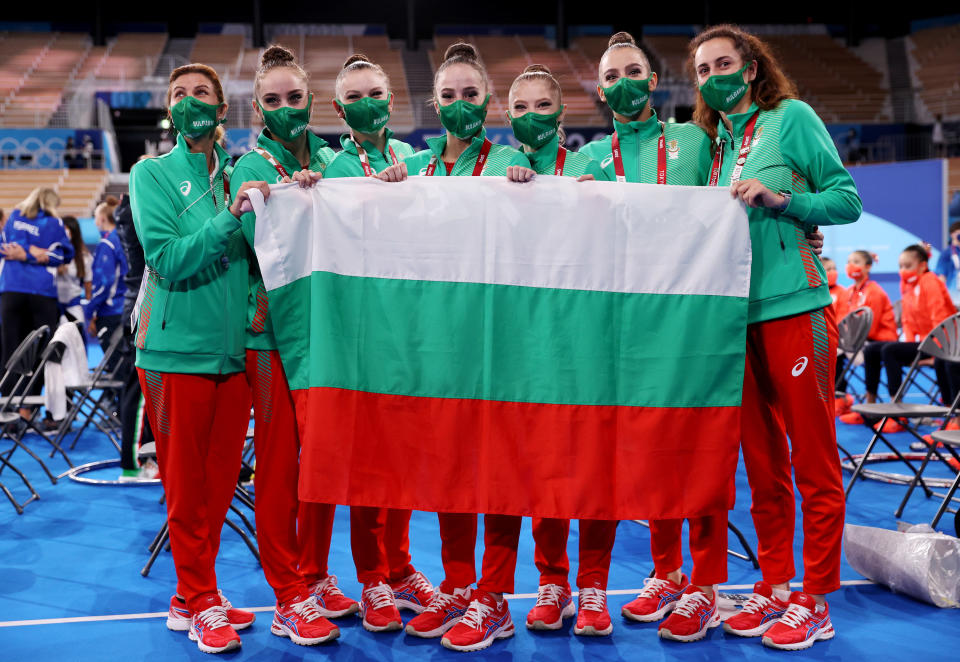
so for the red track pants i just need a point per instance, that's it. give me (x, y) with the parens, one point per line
(708, 547)
(788, 391)
(380, 540)
(596, 545)
(458, 538)
(200, 422)
(294, 537)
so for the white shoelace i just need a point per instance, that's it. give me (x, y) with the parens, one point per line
(652, 586)
(795, 615)
(592, 599)
(690, 602)
(418, 582)
(214, 617)
(476, 614)
(307, 609)
(379, 596)
(549, 594)
(327, 586)
(223, 600)
(755, 603)
(439, 601)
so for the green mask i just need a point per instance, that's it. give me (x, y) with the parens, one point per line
(724, 92)
(535, 130)
(462, 118)
(366, 115)
(287, 124)
(194, 118)
(628, 96)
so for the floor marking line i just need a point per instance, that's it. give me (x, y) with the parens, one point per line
(514, 596)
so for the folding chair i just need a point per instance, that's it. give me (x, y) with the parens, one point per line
(90, 400)
(942, 342)
(853, 330)
(25, 369)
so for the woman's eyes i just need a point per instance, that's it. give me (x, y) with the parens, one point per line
(635, 71)
(544, 104)
(610, 77)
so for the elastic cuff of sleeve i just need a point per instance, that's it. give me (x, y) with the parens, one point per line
(226, 223)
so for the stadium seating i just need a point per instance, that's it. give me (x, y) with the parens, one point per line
(936, 54)
(79, 190)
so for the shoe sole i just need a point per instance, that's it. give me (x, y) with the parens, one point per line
(389, 627)
(499, 633)
(687, 638)
(755, 632)
(566, 612)
(431, 634)
(241, 626)
(828, 633)
(329, 613)
(178, 624)
(658, 615)
(281, 631)
(233, 643)
(590, 631)
(410, 606)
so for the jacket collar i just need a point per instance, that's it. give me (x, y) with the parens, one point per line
(197, 161)
(543, 159)
(283, 155)
(638, 130)
(349, 145)
(438, 143)
(738, 121)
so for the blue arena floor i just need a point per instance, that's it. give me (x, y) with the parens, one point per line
(71, 589)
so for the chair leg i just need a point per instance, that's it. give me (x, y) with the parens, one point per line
(246, 539)
(746, 547)
(18, 443)
(12, 500)
(159, 541)
(913, 483)
(857, 470)
(946, 502)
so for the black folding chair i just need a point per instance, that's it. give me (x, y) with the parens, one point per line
(852, 336)
(942, 342)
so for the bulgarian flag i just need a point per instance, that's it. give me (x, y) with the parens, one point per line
(557, 348)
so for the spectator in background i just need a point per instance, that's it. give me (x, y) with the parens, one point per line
(854, 153)
(109, 266)
(134, 426)
(70, 153)
(948, 264)
(88, 151)
(937, 137)
(33, 240)
(74, 278)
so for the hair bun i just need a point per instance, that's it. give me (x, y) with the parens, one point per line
(277, 55)
(462, 50)
(356, 57)
(537, 68)
(622, 38)
(112, 200)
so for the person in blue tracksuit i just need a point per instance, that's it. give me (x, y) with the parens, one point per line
(33, 244)
(105, 307)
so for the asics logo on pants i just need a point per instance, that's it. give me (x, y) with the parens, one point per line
(799, 366)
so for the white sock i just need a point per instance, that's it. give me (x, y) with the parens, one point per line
(781, 594)
(821, 608)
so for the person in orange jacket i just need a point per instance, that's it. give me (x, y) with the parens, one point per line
(840, 307)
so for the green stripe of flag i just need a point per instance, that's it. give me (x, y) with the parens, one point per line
(510, 343)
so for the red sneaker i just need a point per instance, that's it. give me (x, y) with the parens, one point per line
(592, 615)
(758, 615)
(212, 631)
(443, 612)
(851, 418)
(554, 603)
(801, 625)
(485, 620)
(378, 608)
(178, 617)
(952, 424)
(842, 404)
(657, 598)
(413, 592)
(331, 602)
(240, 619)
(693, 616)
(891, 425)
(303, 623)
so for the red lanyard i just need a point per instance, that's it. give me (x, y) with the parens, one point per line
(272, 161)
(561, 157)
(742, 159)
(661, 158)
(365, 162)
(478, 166)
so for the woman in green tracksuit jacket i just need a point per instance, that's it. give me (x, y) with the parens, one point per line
(379, 537)
(776, 156)
(294, 537)
(190, 344)
(461, 91)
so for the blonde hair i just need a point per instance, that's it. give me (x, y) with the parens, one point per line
(539, 72)
(357, 62)
(196, 68)
(107, 207)
(275, 57)
(462, 53)
(622, 40)
(40, 198)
